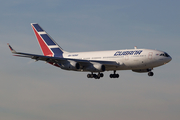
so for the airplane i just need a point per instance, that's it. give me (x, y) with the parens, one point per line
(95, 62)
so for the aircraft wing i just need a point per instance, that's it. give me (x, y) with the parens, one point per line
(60, 60)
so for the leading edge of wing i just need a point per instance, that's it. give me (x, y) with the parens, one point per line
(61, 60)
(58, 59)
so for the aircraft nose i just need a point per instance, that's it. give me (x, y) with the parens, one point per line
(170, 58)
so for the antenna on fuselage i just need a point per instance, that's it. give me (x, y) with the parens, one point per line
(135, 47)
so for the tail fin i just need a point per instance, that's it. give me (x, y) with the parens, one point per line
(48, 46)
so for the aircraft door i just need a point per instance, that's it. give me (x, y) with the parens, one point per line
(126, 57)
(150, 55)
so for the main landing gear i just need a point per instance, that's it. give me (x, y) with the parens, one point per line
(98, 76)
(114, 75)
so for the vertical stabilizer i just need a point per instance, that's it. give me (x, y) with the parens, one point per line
(48, 46)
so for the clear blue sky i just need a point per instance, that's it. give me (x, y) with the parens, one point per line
(38, 91)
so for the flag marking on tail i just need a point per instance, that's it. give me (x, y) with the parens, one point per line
(46, 51)
(48, 46)
(47, 39)
(38, 28)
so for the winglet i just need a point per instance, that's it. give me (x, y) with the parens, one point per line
(12, 50)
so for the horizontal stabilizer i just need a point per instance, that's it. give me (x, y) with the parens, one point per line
(12, 50)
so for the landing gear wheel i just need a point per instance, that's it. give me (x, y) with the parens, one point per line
(150, 73)
(117, 75)
(95, 76)
(101, 75)
(91, 76)
(114, 75)
(88, 75)
(111, 75)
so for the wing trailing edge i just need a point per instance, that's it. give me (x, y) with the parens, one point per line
(60, 60)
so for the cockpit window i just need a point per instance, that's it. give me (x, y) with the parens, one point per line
(164, 54)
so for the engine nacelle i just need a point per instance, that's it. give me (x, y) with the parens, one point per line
(141, 70)
(70, 65)
(95, 67)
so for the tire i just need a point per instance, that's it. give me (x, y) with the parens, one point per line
(94, 75)
(150, 73)
(101, 75)
(117, 75)
(88, 75)
(111, 75)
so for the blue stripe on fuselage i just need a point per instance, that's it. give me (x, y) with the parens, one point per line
(57, 52)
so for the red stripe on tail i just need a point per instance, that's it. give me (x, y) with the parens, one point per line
(46, 51)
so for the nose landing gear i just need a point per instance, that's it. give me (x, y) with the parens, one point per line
(150, 73)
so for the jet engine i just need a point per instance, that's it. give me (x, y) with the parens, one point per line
(70, 65)
(95, 67)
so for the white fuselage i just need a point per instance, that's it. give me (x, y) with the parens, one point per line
(128, 59)
(137, 60)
